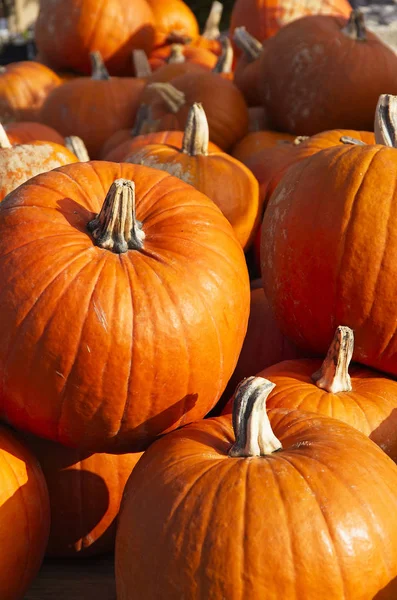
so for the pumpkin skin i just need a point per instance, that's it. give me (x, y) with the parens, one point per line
(255, 141)
(173, 18)
(203, 491)
(24, 517)
(346, 228)
(65, 34)
(28, 131)
(200, 56)
(85, 492)
(314, 53)
(85, 363)
(168, 71)
(23, 88)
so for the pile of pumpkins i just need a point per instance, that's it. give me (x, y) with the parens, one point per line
(156, 397)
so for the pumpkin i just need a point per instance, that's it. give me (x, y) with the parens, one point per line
(20, 163)
(66, 33)
(178, 53)
(264, 18)
(210, 37)
(227, 182)
(337, 206)
(22, 132)
(255, 141)
(23, 88)
(226, 110)
(292, 505)
(246, 75)
(311, 77)
(24, 517)
(85, 491)
(86, 358)
(258, 119)
(173, 20)
(93, 108)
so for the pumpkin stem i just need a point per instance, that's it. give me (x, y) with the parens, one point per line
(299, 139)
(346, 139)
(251, 47)
(173, 98)
(176, 55)
(142, 118)
(76, 145)
(225, 61)
(99, 71)
(252, 429)
(386, 121)
(196, 137)
(116, 227)
(174, 37)
(355, 27)
(141, 64)
(333, 375)
(211, 27)
(4, 141)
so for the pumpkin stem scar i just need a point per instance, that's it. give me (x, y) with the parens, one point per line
(355, 27)
(116, 227)
(211, 27)
(225, 61)
(176, 55)
(254, 434)
(251, 47)
(196, 136)
(333, 376)
(99, 71)
(346, 139)
(385, 126)
(299, 139)
(141, 64)
(173, 98)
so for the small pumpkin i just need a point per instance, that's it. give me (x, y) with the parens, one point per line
(278, 509)
(22, 132)
(219, 176)
(174, 20)
(24, 517)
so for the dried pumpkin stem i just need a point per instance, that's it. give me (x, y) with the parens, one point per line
(225, 61)
(299, 139)
(196, 137)
(141, 118)
(176, 55)
(251, 47)
(254, 435)
(141, 64)
(333, 376)
(355, 27)
(211, 27)
(76, 145)
(116, 227)
(4, 141)
(346, 139)
(99, 71)
(385, 126)
(173, 98)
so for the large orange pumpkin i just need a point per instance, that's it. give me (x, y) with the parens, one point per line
(312, 76)
(67, 32)
(294, 505)
(225, 180)
(127, 302)
(22, 132)
(93, 108)
(174, 20)
(85, 491)
(24, 517)
(23, 88)
(329, 249)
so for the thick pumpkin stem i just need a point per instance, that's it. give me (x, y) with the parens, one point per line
(254, 435)
(355, 27)
(333, 376)
(141, 64)
(225, 61)
(4, 141)
(251, 47)
(196, 137)
(176, 55)
(173, 98)
(76, 145)
(116, 228)
(211, 27)
(346, 139)
(99, 71)
(386, 121)
(141, 119)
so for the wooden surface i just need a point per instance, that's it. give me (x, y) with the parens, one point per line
(84, 579)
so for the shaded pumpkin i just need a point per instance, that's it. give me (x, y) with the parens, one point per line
(179, 53)
(242, 496)
(220, 177)
(24, 516)
(22, 132)
(96, 378)
(174, 20)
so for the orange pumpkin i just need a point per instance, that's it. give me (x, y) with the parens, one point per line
(24, 86)
(85, 491)
(93, 108)
(227, 182)
(66, 33)
(210, 37)
(173, 20)
(255, 141)
(178, 53)
(24, 517)
(85, 359)
(22, 132)
(293, 505)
